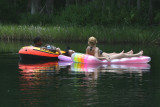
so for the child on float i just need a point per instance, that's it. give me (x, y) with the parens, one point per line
(95, 51)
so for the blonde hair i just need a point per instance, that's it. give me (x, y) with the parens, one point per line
(92, 41)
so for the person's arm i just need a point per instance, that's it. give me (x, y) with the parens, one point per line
(59, 51)
(101, 58)
(87, 50)
(97, 54)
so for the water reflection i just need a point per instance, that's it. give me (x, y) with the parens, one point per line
(30, 71)
(42, 82)
(92, 70)
(34, 80)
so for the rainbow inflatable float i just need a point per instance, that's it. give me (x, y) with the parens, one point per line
(84, 58)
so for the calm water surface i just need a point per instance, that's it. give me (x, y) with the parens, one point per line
(60, 84)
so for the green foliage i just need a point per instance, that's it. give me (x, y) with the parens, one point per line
(76, 14)
(107, 20)
(114, 34)
(157, 18)
(93, 12)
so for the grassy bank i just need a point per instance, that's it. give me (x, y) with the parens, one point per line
(114, 34)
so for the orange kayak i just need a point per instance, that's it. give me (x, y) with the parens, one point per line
(31, 52)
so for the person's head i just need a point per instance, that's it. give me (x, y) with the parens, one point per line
(92, 41)
(37, 41)
(71, 52)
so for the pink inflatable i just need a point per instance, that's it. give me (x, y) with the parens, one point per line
(65, 58)
(84, 58)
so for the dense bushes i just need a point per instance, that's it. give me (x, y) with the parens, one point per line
(95, 12)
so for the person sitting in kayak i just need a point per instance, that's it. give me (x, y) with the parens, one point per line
(38, 43)
(95, 51)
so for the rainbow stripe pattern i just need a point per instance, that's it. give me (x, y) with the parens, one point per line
(84, 58)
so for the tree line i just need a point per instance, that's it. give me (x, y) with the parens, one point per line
(80, 12)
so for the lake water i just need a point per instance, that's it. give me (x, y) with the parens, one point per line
(59, 84)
